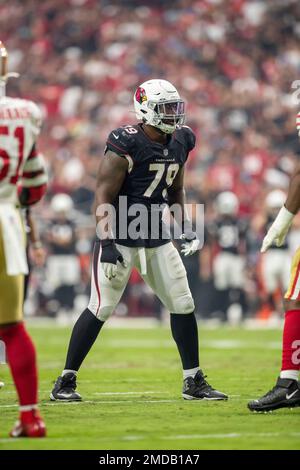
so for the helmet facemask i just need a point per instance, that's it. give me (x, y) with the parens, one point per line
(167, 115)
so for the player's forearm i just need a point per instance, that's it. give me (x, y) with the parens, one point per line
(34, 234)
(104, 196)
(111, 175)
(281, 225)
(293, 200)
(104, 212)
(177, 198)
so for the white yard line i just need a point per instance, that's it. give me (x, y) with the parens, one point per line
(114, 401)
(108, 381)
(212, 344)
(171, 438)
(230, 435)
(178, 400)
(148, 392)
(93, 402)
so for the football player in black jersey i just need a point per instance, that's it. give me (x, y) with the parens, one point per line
(143, 165)
(226, 235)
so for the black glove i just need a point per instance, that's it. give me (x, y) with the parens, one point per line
(110, 255)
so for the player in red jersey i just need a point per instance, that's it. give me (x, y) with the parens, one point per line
(23, 182)
(286, 393)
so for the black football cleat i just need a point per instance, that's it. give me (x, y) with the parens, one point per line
(285, 394)
(198, 388)
(65, 389)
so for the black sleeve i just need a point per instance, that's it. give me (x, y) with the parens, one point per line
(119, 142)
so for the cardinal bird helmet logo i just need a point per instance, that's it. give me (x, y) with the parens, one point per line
(140, 95)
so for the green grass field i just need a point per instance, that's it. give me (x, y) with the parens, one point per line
(131, 384)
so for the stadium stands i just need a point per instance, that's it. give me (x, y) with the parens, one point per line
(234, 63)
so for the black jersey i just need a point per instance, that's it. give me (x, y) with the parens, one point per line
(228, 232)
(62, 237)
(152, 168)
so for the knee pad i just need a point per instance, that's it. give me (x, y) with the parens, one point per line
(104, 313)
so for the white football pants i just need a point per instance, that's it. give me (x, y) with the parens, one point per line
(276, 266)
(228, 271)
(162, 270)
(63, 269)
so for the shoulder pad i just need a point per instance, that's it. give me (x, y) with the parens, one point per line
(122, 140)
(36, 117)
(190, 137)
(33, 112)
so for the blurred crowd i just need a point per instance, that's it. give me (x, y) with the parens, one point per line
(233, 61)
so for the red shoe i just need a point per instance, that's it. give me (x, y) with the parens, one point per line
(36, 428)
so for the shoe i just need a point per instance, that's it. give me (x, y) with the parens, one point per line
(198, 388)
(285, 394)
(2, 384)
(64, 389)
(36, 428)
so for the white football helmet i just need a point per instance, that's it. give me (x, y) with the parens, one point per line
(227, 203)
(158, 103)
(275, 199)
(61, 203)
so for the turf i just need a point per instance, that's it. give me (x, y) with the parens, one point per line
(131, 384)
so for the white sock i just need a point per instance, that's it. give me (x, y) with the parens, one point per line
(28, 407)
(289, 374)
(190, 372)
(67, 371)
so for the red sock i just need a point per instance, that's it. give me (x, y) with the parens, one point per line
(291, 341)
(21, 357)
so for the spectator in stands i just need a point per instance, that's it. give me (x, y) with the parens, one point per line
(234, 61)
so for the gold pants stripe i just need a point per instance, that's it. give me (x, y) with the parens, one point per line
(11, 291)
(293, 292)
